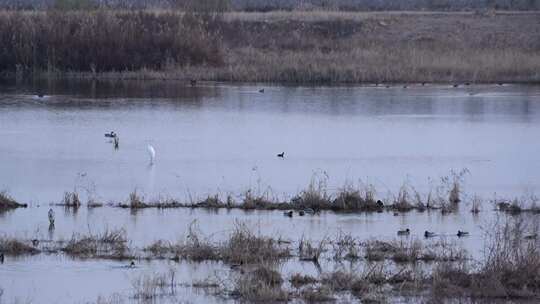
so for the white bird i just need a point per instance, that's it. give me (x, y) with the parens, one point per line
(152, 153)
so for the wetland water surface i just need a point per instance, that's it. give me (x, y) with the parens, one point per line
(224, 139)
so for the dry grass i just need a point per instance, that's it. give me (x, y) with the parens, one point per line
(310, 252)
(100, 41)
(298, 280)
(109, 244)
(413, 250)
(7, 202)
(12, 246)
(261, 285)
(511, 268)
(71, 200)
(148, 288)
(242, 247)
(137, 201)
(293, 47)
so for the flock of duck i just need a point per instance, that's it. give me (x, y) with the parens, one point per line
(428, 234)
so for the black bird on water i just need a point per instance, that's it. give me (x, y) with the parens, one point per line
(1, 258)
(282, 155)
(288, 213)
(462, 233)
(261, 91)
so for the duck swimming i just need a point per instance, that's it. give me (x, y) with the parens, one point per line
(404, 232)
(110, 134)
(288, 213)
(428, 234)
(462, 233)
(282, 155)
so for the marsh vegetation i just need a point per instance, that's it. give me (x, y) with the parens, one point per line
(293, 47)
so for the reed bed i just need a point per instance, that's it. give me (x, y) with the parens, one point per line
(241, 247)
(109, 245)
(289, 47)
(99, 41)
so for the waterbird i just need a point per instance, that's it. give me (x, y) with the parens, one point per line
(261, 91)
(301, 212)
(40, 95)
(288, 213)
(110, 134)
(193, 82)
(152, 153)
(35, 242)
(282, 155)
(1, 258)
(51, 217)
(396, 213)
(380, 204)
(404, 232)
(467, 83)
(462, 233)
(309, 211)
(132, 264)
(455, 85)
(428, 234)
(116, 142)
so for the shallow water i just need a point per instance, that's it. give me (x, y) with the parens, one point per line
(217, 138)
(221, 138)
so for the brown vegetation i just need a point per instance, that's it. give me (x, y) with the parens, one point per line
(241, 247)
(260, 285)
(99, 41)
(7, 202)
(296, 47)
(109, 244)
(511, 268)
(14, 246)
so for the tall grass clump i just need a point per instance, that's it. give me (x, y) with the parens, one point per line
(316, 196)
(100, 40)
(109, 244)
(13, 246)
(245, 247)
(7, 202)
(264, 284)
(71, 199)
(510, 268)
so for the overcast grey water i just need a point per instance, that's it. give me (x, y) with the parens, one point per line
(221, 138)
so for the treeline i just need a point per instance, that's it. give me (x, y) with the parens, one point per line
(269, 5)
(102, 40)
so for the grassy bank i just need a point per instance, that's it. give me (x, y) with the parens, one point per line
(288, 47)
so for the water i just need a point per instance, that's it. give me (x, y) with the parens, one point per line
(216, 138)
(220, 138)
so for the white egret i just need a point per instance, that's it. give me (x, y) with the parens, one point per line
(152, 153)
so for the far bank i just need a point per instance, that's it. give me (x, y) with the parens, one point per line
(284, 47)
